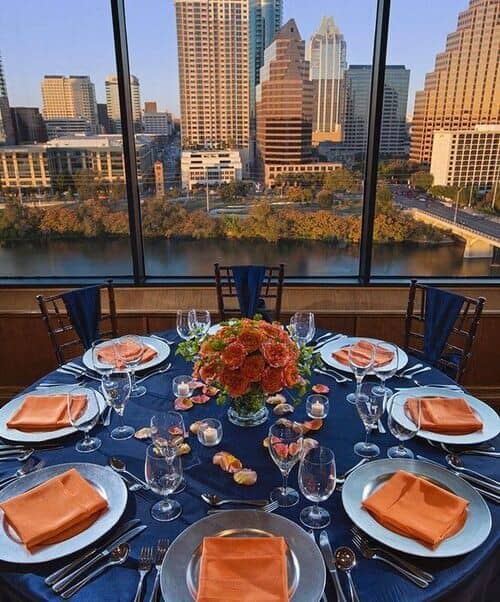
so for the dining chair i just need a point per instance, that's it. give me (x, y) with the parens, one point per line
(66, 341)
(271, 291)
(458, 328)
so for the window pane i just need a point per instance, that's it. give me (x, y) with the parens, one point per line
(269, 165)
(440, 150)
(63, 204)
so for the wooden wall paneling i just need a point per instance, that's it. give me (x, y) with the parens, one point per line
(387, 327)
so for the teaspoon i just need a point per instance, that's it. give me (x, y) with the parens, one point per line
(345, 560)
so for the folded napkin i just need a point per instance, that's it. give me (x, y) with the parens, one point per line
(45, 412)
(447, 415)
(54, 511)
(115, 353)
(362, 352)
(246, 569)
(416, 508)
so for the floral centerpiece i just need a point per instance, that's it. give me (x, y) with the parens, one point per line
(248, 360)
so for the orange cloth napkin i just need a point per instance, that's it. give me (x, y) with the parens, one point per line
(447, 415)
(415, 507)
(363, 352)
(45, 412)
(114, 351)
(54, 511)
(246, 569)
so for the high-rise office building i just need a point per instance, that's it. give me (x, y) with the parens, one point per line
(214, 78)
(150, 106)
(69, 97)
(464, 88)
(393, 136)
(28, 125)
(7, 132)
(284, 101)
(102, 117)
(113, 103)
(326, 52)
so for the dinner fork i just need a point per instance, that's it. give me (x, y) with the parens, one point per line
(161, 550)
(339, 378)
(145, 565)
(267, 508)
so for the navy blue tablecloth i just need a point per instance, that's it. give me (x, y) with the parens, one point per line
(469, 577)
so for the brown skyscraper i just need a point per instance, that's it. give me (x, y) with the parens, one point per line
(284, 101)
(464, 88)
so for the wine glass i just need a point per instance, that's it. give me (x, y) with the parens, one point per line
(387, 370)
(131, 351)
(83, 413)
(403, 432)
(360, 365)
(163, 477)
(370, 407)
(302, 327)
(182, 324)
(104, 364)
(116, 389)
(199, 322)
(167, 434)
(317, 479)
(285, 447)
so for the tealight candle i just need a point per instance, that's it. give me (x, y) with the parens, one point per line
(210, 432)
(210, 435)
(317, 406)
(181, 386)
(317, 409)
(183, 389)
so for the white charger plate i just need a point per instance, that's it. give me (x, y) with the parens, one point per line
(488, 416)
(338, 344)
(361, 483)
(109, 484)
(161, 347)
(37, 437)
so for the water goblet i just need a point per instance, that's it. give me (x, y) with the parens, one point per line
(285, 447)
(370, 407)
(163, 477)
(387, 370)
(116, 389)
(199, 322)
(317, 479)
(167, 434)
(401, 426)
(131, 351)
(83, 413)
(104, 363)
(302, 327)
(182, 325)
(360, 365)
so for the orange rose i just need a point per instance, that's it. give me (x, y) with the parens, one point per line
(275, 353)
(253, 366)
(250, 339)
(291, 375)
(208, 371)
(234, 355)
(272, 380)
(235, 382)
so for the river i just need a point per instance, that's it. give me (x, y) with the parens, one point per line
(101, 257)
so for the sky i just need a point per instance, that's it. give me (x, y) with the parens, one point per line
(62, 37)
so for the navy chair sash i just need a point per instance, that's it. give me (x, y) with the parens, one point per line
(84, 311)
(441, 312)
(248, 281)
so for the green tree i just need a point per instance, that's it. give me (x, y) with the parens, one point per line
(384, 199)
(341, 180)
(422, 180)
(324, 198)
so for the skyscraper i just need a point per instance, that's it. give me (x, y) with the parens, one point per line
(7, 132)
(393, 136)
(29, 125)
(214, 78)
(326, 52)
(464, 88)
(284, 101)
(69, 97)
(113, 103)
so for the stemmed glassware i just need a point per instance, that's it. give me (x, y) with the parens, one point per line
(302, 327)
(402, 432)
(116, 389)
(104, 364)
(370, 407)
(163, 476)
(182, 324)
(167, 434)
(388, 370)
(285, 447)
(360, 366)
(317, 479)
(131, 351)
(199, 322)
(84, 416)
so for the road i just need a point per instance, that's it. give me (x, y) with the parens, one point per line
(481, 224)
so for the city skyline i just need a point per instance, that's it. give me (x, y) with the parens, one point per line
(25, 66)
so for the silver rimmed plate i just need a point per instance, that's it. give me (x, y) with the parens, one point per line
(161, 347)
(108, 484)
(487, 415)
(338, 344)
(37, 437)
(365, 480)
(306, 570)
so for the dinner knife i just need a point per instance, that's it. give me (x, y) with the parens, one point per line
(62, 572)
(326, 550)
(63, 583)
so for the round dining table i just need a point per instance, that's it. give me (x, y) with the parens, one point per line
(474, 576)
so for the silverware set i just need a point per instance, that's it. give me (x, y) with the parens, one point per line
(410, 373)
(331, 373)
(149, 558)
(69, 579)
(270, 507)
(133, 483)
(29, 466)
(483, 449)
